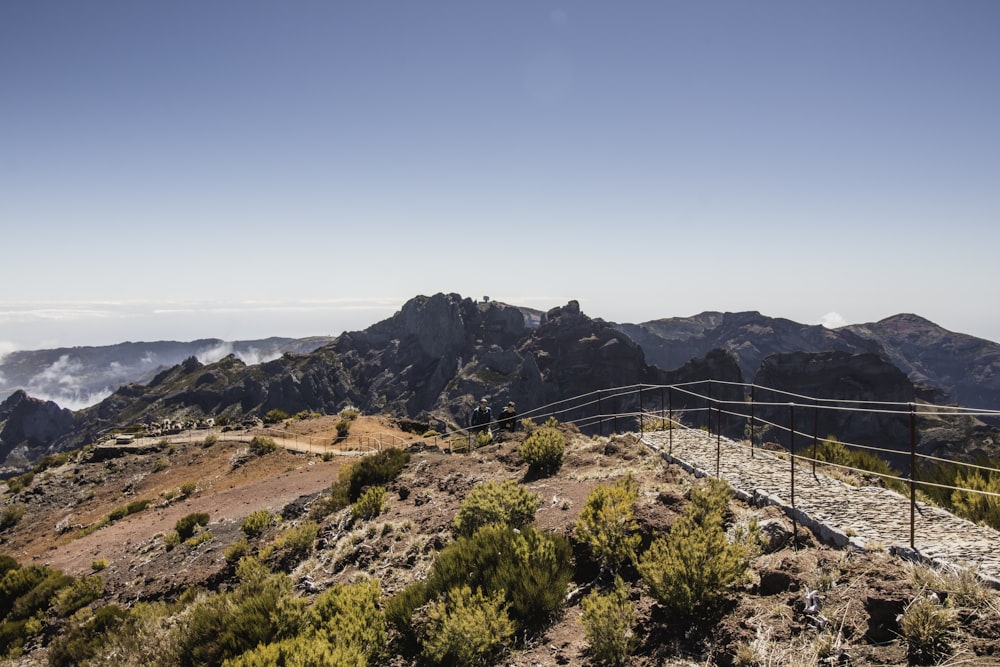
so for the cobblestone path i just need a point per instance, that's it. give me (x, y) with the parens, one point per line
(838, 512)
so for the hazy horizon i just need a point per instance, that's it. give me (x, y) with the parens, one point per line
(105, 324)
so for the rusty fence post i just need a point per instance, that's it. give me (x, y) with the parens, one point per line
(913, 465)
(718, 441)
(791, 448)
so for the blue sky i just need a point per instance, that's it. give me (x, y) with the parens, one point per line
(240, 169)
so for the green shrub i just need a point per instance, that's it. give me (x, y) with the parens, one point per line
(343, 428)
(531, 568)
(209, 440)
(161, 464)
(257, 522)
(11, 515)
(543, 450)
(261, 445)
(188, 488)
(377, 469)
(291, 546)
(20, 483)
(370, 504)
(261, 609)
(50, 461)
(275, 416)
(608, 621)
(99, 564)
(465, 628)
(349, 414)
(83, 638)
(26, 593)
(689, 570)
(968, 501)
(78, 594)
(607, 524)
(309, 650)
(349, 617)
(927, 628)
(833, 451)
(237, 550)
(186, 525)
(123, 511)
(399, 609)
(506, 503)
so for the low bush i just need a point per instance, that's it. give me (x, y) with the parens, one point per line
(275, 416)
(689, 570)
(377, 469)
(83, 638)
(369, 505)
(543, 449)
(607, 524)
(10, 515)
(20, 483)
(291, 546)
(465, 628)
(186, 525)
(927, 627)
(608, 621)
(123, 511)
(261, 445)
(237, 550)
(188, 488)
(257, 522)
(349, 617)
(262, 609)
(506, 503)
(78, 594)
(532, 569)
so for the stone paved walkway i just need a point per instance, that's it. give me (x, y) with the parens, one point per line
(838, 512)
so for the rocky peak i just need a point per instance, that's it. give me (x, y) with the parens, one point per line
(31, 424)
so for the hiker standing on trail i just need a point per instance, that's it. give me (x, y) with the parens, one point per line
(481, 417)
(507, 419)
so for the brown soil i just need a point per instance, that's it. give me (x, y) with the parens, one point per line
(764, 623)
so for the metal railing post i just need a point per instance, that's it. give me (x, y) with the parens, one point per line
(640, 411)
(752, 427)
(600, 415)
(913, 464)
(791, 448)
(718, 441)
(670, 413)
(815, 435)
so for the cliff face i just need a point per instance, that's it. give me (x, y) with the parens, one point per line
(749, 336)
(431, 362)
(839, 376)
(29, 426)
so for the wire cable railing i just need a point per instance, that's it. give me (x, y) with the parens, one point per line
(734, 409)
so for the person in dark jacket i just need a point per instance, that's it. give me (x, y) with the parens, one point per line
(507, 421)
(481, 418)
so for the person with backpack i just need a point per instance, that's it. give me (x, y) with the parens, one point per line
(481, 417)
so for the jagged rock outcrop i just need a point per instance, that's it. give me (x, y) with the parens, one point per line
(865, 380)
(29, 426)
(430, 362)
(750, 336)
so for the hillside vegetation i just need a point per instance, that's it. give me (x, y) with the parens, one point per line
(211, 551)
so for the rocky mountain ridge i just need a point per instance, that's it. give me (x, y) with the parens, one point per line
(431, 361)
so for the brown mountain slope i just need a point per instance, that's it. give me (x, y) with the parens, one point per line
(763, 622)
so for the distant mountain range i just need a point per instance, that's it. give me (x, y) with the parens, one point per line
(76, 377)
(432, 360)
